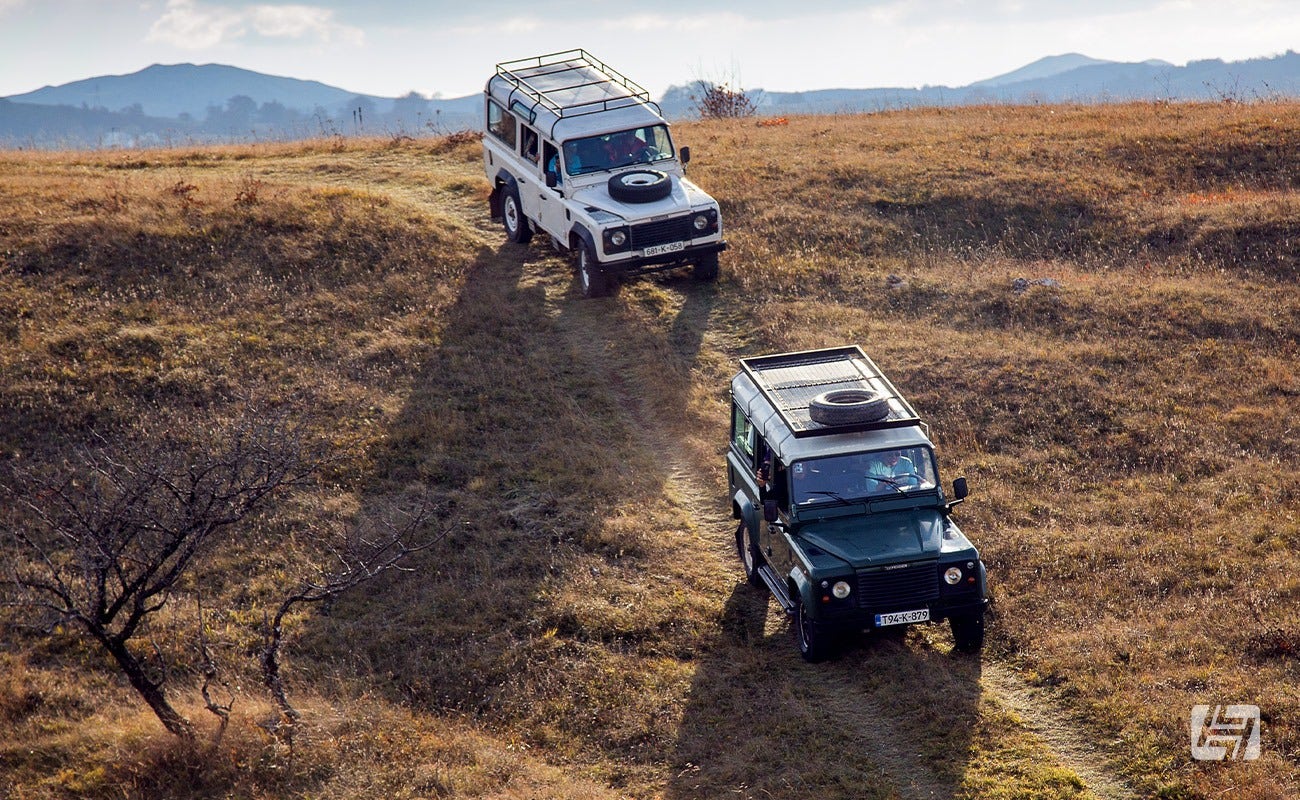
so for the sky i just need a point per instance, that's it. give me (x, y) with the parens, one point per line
(448, 48)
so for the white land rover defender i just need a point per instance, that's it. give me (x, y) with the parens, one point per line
(577, 151)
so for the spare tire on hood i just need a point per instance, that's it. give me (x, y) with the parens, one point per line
(848, 407)
(640, 186)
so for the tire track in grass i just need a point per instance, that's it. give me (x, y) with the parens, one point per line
(865, 696)
(1053, 728)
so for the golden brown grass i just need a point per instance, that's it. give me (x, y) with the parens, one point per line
(1125, 420)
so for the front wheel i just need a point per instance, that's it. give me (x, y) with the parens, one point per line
(813, 642)
(513, 219)
(968, 632)
(706, 269)
(594, 282)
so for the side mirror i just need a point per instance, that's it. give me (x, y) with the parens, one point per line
(552, 180)
(685, 153)
(960, 491)
(769, 511)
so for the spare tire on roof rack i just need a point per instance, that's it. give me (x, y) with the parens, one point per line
(848, 407)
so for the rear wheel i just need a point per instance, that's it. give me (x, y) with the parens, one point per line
(594, 282)
(513, 219)
(749, 554)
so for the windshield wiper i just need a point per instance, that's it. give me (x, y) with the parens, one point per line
(831, 495)
(898, 487)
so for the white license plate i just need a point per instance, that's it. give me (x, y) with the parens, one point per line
(903, 617)
(660, 249)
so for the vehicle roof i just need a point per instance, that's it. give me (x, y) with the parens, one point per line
(775, 392)
(572, 94)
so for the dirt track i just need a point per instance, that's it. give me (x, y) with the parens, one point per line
(905, 714)
(881, 696)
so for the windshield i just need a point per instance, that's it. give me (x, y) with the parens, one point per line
(844, 478)
(644, 145)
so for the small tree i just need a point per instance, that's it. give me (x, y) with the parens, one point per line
(108, 537)
(378, 542)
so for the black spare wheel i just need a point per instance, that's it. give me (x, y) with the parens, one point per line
(640, 186)
(848, 407)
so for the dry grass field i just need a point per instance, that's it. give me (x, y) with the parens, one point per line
(1096, 308)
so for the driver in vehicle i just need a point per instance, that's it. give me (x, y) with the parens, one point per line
(625, 148)
(892, 469)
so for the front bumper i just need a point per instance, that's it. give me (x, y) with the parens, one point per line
(640, 265)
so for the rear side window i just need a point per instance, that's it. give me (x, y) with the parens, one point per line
(501, 124)
(742, 432)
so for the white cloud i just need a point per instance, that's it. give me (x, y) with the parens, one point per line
(191, 25)
(298, 22)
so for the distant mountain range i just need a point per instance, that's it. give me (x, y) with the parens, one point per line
(1070, 78)
(166, 104)
(211, 102)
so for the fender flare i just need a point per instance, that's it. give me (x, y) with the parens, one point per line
(746, 511)
(585, 235)
(503, 180)
(800, 583)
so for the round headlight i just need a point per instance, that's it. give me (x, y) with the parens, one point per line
(841, 590)
(952, 576)
(701, 222)
(618, 238)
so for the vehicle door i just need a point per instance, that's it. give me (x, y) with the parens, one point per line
(551, 214)
(777, 547)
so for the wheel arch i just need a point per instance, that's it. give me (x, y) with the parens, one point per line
(579, 234)
(504, 180)
(798, 585)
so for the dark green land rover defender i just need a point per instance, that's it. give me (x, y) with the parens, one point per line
(842, 515)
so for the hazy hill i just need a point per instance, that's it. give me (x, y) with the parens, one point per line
(211, 101)
(176, 89)
(1070, 78)
(1042, 68)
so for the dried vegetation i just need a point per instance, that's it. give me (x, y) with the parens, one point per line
(1125, 414)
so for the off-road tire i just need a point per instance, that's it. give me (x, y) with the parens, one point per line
(512, 217)
(814, 643)
(967, 633)
(750, 556)
(848, 407)
(706, 269)
(594, 283)
(640, 186)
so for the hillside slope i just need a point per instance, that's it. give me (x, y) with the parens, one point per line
(1121, 411)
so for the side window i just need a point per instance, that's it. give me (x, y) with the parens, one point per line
(528, 144)
(551, 160)
(742, 432)
(501, 124)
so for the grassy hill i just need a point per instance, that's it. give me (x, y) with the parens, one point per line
(1095, 308)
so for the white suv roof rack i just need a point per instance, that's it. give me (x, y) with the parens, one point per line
(570, 83)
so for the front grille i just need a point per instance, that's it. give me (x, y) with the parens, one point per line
(904, 589)
(677, 229)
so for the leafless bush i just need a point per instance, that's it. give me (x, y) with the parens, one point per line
(375, 543)
(104, 538)
(720, 101)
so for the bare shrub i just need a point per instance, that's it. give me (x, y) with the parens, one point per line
(375, 543)
(109, 534)
(720, 101)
